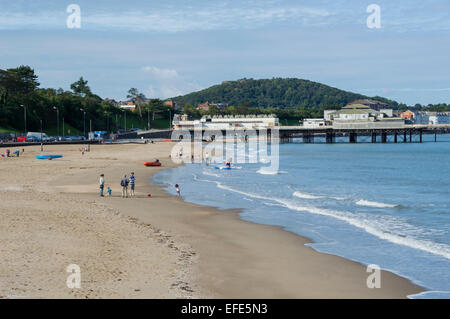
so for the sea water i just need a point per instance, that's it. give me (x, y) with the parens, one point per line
(383, 204)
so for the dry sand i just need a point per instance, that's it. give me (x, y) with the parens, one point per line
(150, 247)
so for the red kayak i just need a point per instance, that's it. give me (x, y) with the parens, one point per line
(152, 163)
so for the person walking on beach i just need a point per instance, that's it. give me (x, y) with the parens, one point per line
(177, 188)
(102, 184)
(124, 183)
(207, 158)
(132, 182)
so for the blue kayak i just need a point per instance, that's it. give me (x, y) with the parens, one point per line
(222, 167)
(48, 156)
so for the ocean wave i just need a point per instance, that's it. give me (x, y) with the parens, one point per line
(303, 195)
(367, 203)
(306, 196)
(338, 198)
(379, 228)
(264, 171)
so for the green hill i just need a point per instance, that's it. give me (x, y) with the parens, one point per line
(276, 92)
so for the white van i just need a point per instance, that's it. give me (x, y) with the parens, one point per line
(36, 136)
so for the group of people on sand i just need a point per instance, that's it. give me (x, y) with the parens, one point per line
(16, 153)
(125, 182)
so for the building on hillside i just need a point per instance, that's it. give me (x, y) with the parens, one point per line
(373, 104)
(171, 103)
(203, 107)
(425, 117)
(407, 115)
(112, 102)
(360, 116)
(225, 122)
(128, 106)
(220, 106)
(207, 105)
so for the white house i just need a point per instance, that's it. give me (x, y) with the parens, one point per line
(432, 117)
(219, 122)
(311, 123)
(359, 116)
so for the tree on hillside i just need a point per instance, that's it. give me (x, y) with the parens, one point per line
(277, 92)
(136, 97)
(81, 88)
(21, 80)
(154, 106)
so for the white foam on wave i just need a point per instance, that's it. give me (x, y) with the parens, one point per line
(266, 171)
(303, 195)
(263, 171)
(367, 203)
(378, 228)
(306, 196)
(338, 198)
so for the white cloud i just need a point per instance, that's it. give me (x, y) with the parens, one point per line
(218, 15)
(212, 16)
(162, 74)
(167, 83)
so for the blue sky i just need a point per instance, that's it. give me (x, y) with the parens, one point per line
(167, 48)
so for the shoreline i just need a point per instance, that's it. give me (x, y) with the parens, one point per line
(218, 254)
(236, 213)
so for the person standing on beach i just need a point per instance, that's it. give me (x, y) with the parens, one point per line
(124, 184)
(177, 188)
(102, 184)
(132, 182)
(207, 158)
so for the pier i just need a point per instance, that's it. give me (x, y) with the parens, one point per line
(406, 134)
(330, 135)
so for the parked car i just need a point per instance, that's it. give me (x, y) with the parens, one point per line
(32, 139)
(21, 139)
(37, 136)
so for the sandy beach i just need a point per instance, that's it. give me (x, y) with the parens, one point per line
(150, 247)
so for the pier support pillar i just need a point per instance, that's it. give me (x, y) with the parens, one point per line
(374, 137)
(395, 137)
(404, 137)
(435, 137)
(352, 137)
(308, 138)
(410, 136)
(383, 137)
(330, 138)
(420, 136)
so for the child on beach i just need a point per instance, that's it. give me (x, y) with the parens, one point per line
(132, 182)
(177, 188)
(109, 192)
(207, 158)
